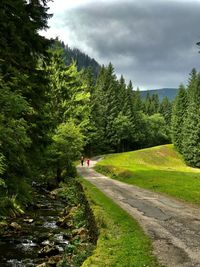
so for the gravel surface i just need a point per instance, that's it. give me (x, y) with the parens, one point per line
(173, 226)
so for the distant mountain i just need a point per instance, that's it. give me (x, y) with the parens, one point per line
(169, 92)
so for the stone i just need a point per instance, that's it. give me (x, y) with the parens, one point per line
(28, 220)
(42, 237)
(67, 236)
(65, 222)
(55, 192)
(44, 264)
(65, 211)
(48, 251)
(3, 224)
(80, 231)
(54, 260)
(15, 226)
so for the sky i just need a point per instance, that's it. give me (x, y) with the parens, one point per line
(151, 42)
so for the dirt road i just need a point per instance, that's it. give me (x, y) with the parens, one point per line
(173, 226)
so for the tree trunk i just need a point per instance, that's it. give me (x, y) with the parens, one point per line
(58, 175)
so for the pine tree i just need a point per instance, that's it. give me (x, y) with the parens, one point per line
(166, 110)
(69, 109)
(98, 113)
(123, 123)
(178, 117)
(20, 43)
(151, 104)
(191, 127)
(22, 83)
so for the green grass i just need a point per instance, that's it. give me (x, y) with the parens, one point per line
(160, 169)
(121, 241)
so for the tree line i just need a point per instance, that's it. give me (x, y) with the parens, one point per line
(186, 120)
(121, 120)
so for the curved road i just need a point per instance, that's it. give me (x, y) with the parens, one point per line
(173, 226)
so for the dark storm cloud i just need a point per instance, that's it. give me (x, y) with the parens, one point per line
(151, 42)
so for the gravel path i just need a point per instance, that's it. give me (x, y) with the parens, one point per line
(173, 226)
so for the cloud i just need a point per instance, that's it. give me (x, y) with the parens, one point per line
(153, 43)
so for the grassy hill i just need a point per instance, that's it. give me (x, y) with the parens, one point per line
(160, 169)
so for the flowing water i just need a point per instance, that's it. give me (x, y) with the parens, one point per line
(23, 248)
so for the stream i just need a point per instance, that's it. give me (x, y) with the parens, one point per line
(38, 237)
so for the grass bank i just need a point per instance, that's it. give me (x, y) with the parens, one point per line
(160, 169)
(78, 220)
(121, 241)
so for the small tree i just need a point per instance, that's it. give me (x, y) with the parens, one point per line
(68, 142)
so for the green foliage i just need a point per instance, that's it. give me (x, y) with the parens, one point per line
(20, 41)
(15, 195)
(6, 205)
(118, 122)
(166, 110)
(67, 143)
(178, 117)
(69, 96)
(69, 110)
(191, 143)
(191, 127)
(186, 121)
(14, 139)
(151, 104)
(83, 61)
(158, 133)
(2, 166)
(123, 129)
(22, 95)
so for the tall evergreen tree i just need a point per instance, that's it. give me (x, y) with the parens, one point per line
(123, 123)
(178, 117)
(20, 48)
(166, 110)
(69, 108)
(98, 113)
(191, 127)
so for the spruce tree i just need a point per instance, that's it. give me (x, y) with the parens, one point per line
(23, 84)
(166, 110)
(191, 127)
(98, 113)
(178, 117)
(69, 110)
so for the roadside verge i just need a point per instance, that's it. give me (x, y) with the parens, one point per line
(121, 240)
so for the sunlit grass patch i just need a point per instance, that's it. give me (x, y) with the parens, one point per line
(160, 169)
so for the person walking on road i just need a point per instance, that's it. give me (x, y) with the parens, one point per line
(88, 162)
(82, 160)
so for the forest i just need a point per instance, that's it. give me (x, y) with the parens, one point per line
(52, 111)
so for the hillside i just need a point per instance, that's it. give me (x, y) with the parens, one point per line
(168, 92)
(158, 168)
(82, 59)
(85, 61)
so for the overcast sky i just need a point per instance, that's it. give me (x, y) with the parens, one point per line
(151, 42)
